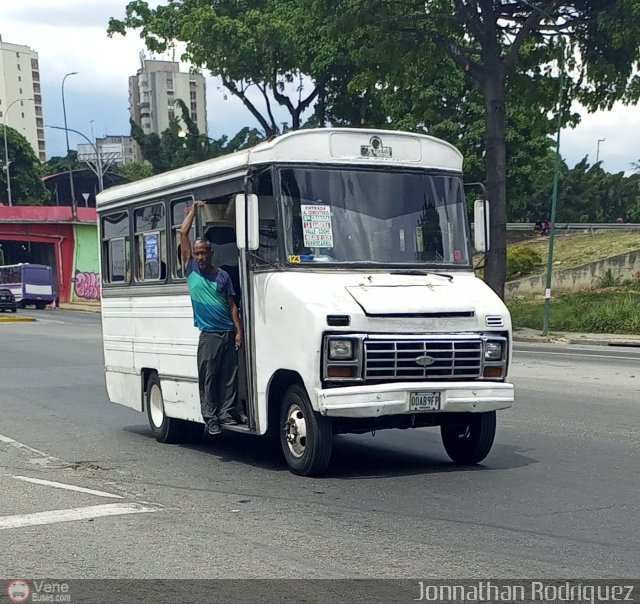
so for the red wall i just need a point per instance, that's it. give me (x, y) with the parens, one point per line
(46, 224)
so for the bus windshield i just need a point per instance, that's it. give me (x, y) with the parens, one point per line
(352, 216)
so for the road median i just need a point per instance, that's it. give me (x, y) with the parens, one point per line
(17, 319)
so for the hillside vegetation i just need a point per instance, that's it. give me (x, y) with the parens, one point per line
(570, 249)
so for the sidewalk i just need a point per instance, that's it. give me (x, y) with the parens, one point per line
(524, 334)
(83, 306)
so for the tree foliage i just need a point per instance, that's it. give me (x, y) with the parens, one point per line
(482, 74)
(177, 147)
(25, 171)
(261, 46)
(136, 170)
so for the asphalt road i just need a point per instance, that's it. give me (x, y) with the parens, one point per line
(557, 497)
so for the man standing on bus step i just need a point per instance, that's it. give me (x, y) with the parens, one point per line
(216, 315)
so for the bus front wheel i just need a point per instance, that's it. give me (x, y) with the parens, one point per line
(306, 436)
(469, 441)
(165, 429)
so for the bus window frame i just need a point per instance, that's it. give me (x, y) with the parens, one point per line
(105, 269)
(158, 231)
(175, 259)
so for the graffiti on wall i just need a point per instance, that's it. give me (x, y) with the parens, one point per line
(87, 285)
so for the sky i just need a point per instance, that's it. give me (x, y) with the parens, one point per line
(70, 35)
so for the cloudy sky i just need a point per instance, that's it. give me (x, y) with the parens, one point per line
(70, 35)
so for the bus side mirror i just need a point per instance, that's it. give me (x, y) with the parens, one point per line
(247, 225)
(481, 225)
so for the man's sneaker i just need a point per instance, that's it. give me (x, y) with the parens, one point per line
(213, 428)
(228, 421)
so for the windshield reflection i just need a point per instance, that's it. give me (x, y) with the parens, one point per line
(361, 216)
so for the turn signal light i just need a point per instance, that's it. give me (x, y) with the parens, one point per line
(493, 372)
(341, 371)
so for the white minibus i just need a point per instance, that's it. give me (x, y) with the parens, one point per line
(350, 251)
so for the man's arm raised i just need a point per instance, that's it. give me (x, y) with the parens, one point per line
(185, 229)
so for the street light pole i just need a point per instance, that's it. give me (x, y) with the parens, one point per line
(556, 174)
(554, 201)
(6, 148)
(600, 140)
(95, 149)
(64, 113)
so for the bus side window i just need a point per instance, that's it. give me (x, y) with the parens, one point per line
(150, 244)
(115, 248)
(179, 210)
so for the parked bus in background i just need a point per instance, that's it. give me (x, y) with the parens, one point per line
(350, 252)
(31, 284)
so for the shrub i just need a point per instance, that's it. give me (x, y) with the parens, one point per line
(522, 261)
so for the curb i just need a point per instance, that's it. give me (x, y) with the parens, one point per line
(79, 307)
(17, 320)
(576, 340)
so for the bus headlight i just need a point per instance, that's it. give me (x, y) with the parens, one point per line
(340, 350)
(493, 351)
(342, 358)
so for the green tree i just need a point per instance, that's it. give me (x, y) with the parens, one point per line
(136, 170)
(480, 73)
(25, 171)
(261, 46)
(177, 147)
(496, 43)
(58, 164)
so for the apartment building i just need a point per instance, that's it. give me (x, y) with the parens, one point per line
(20, 80)
(154, 90)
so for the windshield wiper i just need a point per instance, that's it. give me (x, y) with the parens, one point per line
(419, 272)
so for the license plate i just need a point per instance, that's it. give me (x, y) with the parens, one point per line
(424, 401)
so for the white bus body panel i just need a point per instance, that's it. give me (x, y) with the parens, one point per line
(152, 333)
(290, 316)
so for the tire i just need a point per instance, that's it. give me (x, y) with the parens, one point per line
(306, 437)
(469, 442)
(41, 305)
(14, 310)
(165, 429)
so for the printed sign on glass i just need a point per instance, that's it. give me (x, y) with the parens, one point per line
(316, 225)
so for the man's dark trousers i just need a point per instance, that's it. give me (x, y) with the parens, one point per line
(217, 374)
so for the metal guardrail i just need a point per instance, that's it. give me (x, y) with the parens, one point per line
(578, 226)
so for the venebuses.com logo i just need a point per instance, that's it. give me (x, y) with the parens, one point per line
(18, 590)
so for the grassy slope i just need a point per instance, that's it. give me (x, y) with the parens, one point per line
(578, 248)
(611, 310)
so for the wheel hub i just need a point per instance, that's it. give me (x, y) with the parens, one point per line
(295, 430)
(156, 405)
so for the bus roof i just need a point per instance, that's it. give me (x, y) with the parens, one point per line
(25, 265)
(348, 146)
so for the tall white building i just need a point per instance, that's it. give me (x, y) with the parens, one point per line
(20, 79)
(154, 90)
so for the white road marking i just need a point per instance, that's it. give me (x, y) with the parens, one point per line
(68, 487)
(73, 514)
(577, 354)
(14, 443)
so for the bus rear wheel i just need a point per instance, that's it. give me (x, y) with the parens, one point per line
(469, 441)
(306, 436)
(165, 429)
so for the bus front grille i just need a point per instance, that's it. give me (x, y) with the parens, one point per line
(398, 360)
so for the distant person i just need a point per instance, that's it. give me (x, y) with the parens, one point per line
(216, 315)
(547, 227)
(538, 227)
